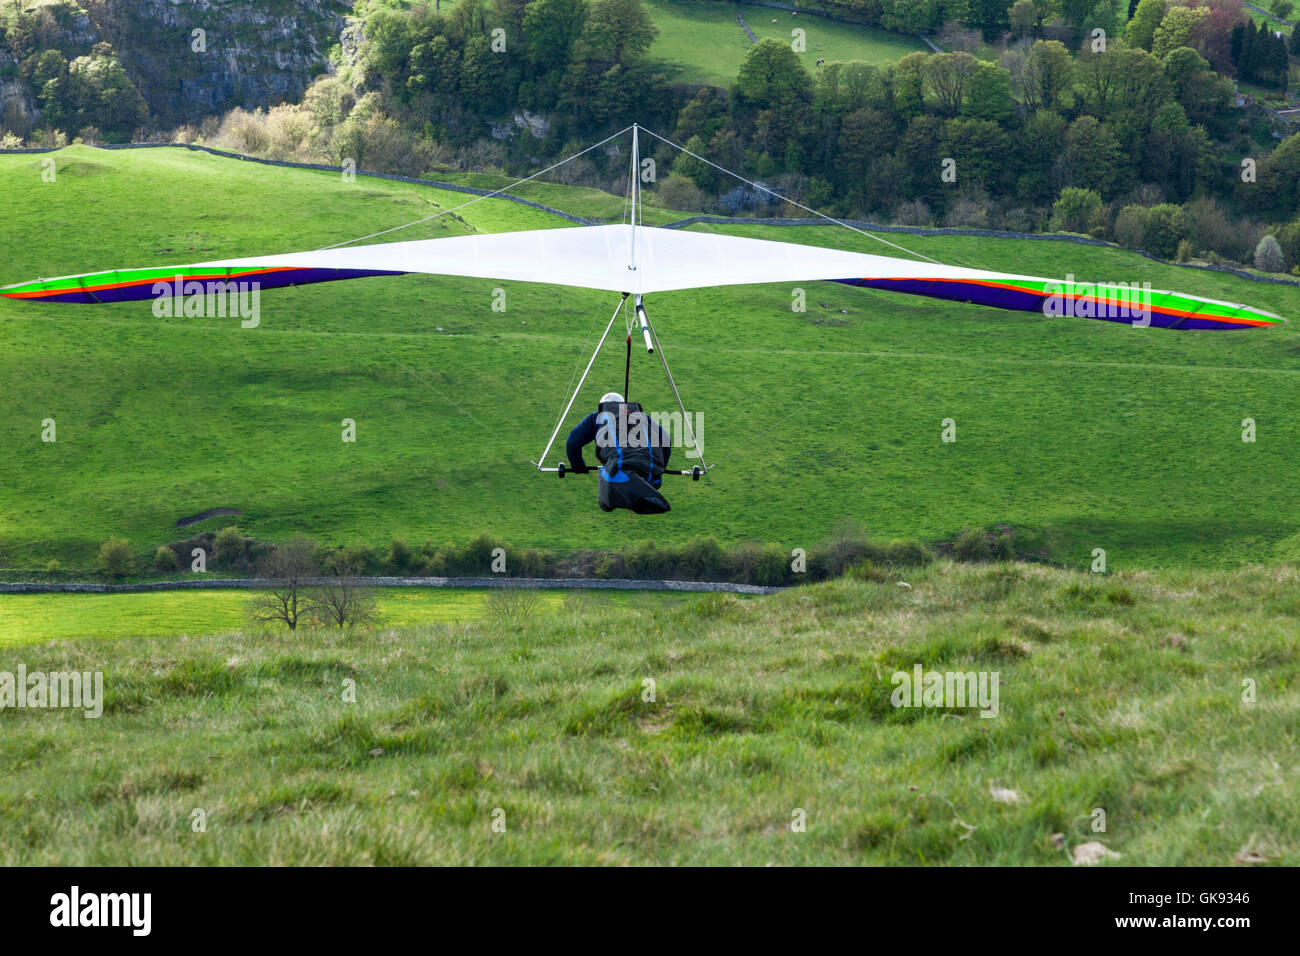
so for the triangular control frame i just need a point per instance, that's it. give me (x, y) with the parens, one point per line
(652, 346)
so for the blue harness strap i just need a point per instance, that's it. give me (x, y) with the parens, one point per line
(607, 418)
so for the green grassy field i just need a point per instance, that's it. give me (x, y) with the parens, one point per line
(1272, 22)
(703, 42)
(1124, 695)
(29, 618)
(1100, 435)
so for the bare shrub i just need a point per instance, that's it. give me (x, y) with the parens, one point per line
(513, 605)
(344, 600)
(286, 568)
(970, 210)
(913, 212)
(678, 192)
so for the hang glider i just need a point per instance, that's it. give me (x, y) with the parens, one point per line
(640, 260)
(634, 260)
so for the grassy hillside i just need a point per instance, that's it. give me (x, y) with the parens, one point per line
(1121, 694)
(703, 42)
(1102, 436)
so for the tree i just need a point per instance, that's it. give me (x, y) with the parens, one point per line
(905, 81)
(1247, 59)
(1077, 12)
(1172, 151)
(286, 570)
(988, 93)
(990, 16)
(1048, 74)
(1279, 65)
(1176, 29)
(1092, 156)
(115, 560)
(510, 14)
(468, 19)
(1268, 255)
(911, 16)
(1102, 15)
(1166, 227)
(552, 28)
(1288, 237)
(389, 38)
(1261, 56)
(1023, 16)
(1206, 96)
(1282, 9)
(1121, 81)
(330, 99)
(616, 28)
(1237, 44)
(918, 156)
(49, 77)
(1213, 36)
(1141, 29)
(698, 172)
(481, 75)
(1077, 210)
(946, 76)
(854, 85)
(978, 146)
(434, 67)
(704, 116)
(1038, 144)
(1183, 62)
(772, 72)
(1277, 192)
(865, 137)
(1131, 226)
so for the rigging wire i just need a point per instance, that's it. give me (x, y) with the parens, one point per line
(541, 459)
(771, 192)
(495, 192)
(595, 318)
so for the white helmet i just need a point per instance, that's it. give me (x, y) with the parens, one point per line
(611, 397)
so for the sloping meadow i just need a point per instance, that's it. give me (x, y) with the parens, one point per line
(1153, 712)
(1105, 436)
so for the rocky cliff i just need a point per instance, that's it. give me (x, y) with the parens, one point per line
(188, 58)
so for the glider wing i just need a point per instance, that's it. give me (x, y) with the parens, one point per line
(640, 260)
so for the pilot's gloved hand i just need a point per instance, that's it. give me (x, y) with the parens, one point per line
(580, 468)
